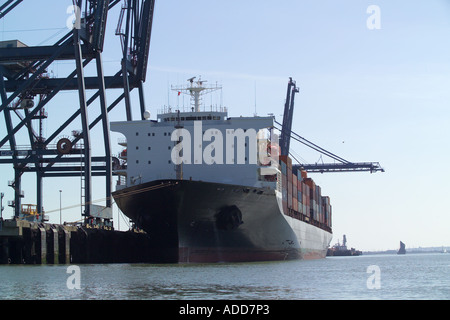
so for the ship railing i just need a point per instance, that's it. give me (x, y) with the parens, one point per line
(122, 181)
(122, 142)
(211, 108)
(302, 217)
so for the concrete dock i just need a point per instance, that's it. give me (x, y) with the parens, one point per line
(24, 242)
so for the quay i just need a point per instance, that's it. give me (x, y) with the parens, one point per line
(25, 242)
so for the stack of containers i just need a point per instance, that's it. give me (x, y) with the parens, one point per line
(319, 204)
(299, 192)
(288, 162)
(312, 197)
(305, 193)
(306, 199)
(329, 224)
(327, 211)
(284, 185)
(289, 181)
(323, 208)
(294, 192)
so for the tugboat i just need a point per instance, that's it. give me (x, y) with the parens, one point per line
(339, 250)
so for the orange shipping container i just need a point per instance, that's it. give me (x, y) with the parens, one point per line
(310, 183)
(287, 160)
(304, 174)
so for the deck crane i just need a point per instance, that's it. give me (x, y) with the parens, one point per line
(340, 165)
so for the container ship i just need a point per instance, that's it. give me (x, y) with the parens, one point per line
(210, 188)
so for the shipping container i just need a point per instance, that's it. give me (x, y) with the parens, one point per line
(320, 208)
(306, 194)
(283, 168)
(289, 194)
(304, 174)
(287, 160)
(331, 217)
(310, 183)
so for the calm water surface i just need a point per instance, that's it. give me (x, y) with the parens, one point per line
(413, 276)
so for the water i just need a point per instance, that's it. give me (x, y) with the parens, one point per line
(413, 276)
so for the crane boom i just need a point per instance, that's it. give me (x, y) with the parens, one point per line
(287, 117)
(341, 165)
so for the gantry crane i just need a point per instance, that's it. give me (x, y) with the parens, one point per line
(26, 88)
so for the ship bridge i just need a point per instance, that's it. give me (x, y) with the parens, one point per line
(178, 116)
(196, 111)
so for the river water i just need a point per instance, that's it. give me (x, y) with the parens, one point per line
(386, 277)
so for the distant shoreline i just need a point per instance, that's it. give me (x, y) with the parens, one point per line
(411, 250)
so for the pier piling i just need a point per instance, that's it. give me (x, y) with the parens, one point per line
(24, 242)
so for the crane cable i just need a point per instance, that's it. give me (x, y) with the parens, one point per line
(313, 146)
(121, 195)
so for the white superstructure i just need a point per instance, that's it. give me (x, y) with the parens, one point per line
(218, 148)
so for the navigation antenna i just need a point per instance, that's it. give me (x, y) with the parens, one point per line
(196, 89)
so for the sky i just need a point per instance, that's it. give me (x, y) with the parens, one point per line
(366, 94)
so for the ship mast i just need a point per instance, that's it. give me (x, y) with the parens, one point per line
(196, 89)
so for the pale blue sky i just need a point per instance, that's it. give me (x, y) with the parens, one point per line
(366, 95)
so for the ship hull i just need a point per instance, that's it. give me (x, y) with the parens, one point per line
(197, 222)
